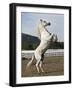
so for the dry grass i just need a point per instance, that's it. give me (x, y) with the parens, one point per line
(53, 66)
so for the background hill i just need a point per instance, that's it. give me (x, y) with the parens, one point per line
(29, 42)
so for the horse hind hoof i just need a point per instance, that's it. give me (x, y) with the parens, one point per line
(42, 71)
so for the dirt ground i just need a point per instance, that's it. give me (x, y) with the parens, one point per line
(53, 66)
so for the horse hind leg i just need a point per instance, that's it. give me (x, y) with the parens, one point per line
(41, 66)
(30, 62)
(37, 65)
(38, 58)
(41, 63)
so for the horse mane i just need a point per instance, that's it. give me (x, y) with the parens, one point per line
(39, 30)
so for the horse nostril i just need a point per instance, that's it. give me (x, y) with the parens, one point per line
(49, 23)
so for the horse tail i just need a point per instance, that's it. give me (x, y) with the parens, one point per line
(30, 62)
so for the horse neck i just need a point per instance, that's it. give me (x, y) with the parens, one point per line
(41, 28)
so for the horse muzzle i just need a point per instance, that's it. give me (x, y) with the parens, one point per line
(49, 24)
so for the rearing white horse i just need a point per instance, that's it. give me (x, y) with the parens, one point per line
(46, 38)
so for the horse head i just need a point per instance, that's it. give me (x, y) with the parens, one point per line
(42, 26)
(44, 23)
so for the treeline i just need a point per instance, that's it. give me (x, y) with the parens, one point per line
(57, 45)
(30, 42)
(29, 46)
(33, 46)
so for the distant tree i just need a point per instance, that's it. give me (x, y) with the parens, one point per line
(30, 47)
(57, 45)
(35, 46)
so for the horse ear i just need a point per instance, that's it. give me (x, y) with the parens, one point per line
(41, 20)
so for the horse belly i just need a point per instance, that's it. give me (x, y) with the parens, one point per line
(41, 48)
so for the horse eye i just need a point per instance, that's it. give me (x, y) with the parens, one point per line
(44, 21)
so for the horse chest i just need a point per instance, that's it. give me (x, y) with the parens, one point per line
(45, 36)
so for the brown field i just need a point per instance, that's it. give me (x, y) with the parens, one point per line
(53, 66)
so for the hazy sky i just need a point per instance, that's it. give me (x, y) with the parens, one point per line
(29, 22)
